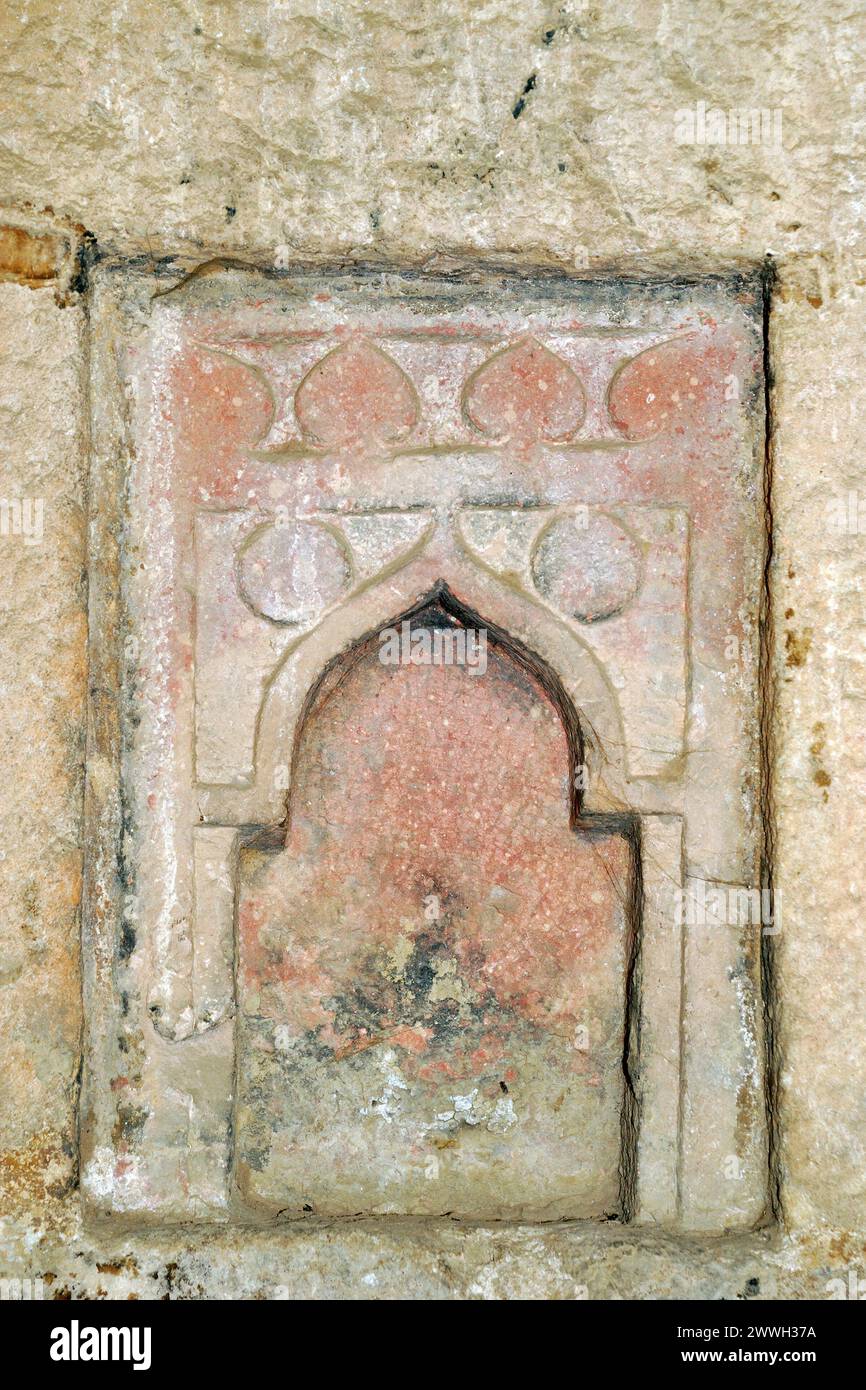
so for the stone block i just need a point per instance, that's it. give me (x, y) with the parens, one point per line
(433, 687)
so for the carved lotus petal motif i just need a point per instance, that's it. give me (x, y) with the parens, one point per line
(292, 572)
(525, 392)
(669, 387)
(356, 395)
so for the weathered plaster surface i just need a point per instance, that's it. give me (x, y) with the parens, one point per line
(350, 128)
(42, 600)
(307, 460)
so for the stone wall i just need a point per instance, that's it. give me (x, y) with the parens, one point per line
(140, 144)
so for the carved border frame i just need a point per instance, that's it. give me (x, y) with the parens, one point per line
(659, 1092)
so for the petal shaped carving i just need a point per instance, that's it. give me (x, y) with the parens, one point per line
(356, 395)
(669, 387)
(525, 392)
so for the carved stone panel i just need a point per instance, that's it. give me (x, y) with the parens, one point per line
(432, 961)
(373, 930)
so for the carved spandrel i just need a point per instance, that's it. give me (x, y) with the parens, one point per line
(619, 578)
(262, 584)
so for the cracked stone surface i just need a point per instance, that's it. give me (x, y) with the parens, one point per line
(405, 131)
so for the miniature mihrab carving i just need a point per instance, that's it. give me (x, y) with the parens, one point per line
(402, 936)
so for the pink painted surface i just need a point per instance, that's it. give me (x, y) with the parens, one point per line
(526, 393)
(432, 969)
(355, 395)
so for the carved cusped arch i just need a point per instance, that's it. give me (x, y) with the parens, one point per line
(556, 655)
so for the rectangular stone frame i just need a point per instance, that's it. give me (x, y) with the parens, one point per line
(671, 969)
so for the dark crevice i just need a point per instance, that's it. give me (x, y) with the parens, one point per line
(630, 1117)
(769, 985)
(86, 256)
(529, 86)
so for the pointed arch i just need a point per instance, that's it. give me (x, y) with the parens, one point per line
(548, 648)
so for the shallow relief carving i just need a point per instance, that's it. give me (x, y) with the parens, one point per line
(308, 472)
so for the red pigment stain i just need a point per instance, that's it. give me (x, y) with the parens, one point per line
(676, 386)
(220, 409)
(524, 394)
(356, 396)
(431, 894)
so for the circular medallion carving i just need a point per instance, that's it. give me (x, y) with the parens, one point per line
(291, 571)
(588, 568)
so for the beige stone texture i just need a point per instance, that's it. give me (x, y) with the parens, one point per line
(820, 611)
(354, 129)
(441, 134)
(43, 682)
